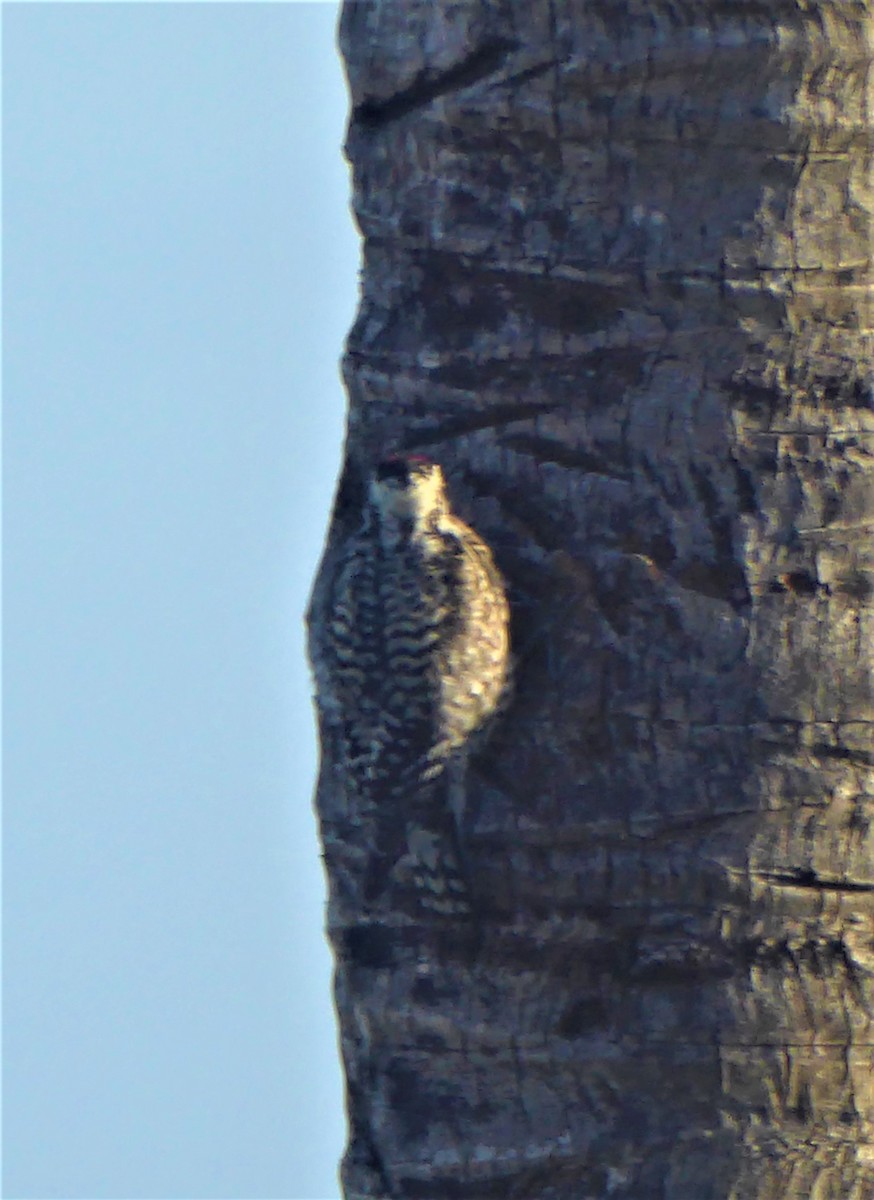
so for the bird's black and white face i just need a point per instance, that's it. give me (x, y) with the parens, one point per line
(408, 488)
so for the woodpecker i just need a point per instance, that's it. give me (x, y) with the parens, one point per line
(414, 658)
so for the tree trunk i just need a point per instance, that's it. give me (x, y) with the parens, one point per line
(617, 280)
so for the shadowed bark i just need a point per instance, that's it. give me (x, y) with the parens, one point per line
(617, 279)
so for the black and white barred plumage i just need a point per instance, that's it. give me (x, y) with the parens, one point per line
(415, 654)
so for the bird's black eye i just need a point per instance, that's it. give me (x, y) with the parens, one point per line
(395, 469)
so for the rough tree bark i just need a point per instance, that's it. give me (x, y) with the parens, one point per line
(617, 279)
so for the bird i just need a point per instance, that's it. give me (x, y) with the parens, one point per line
(413, 662)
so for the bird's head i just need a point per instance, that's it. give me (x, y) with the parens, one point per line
(408, 488)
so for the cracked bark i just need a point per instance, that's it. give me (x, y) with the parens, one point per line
(617, 279)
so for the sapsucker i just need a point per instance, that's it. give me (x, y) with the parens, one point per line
(414, 656)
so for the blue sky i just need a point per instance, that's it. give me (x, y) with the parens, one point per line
(179, 274)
